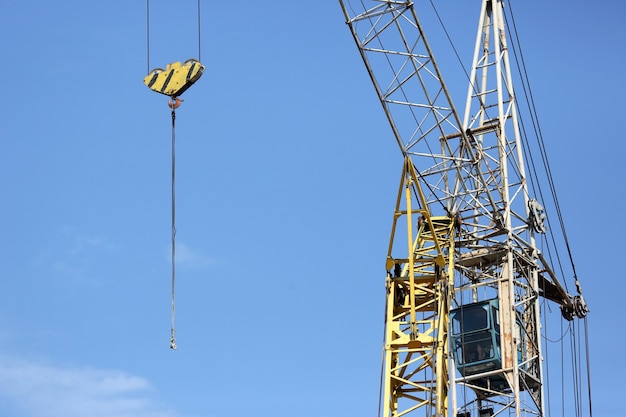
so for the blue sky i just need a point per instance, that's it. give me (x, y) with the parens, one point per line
(286, 180)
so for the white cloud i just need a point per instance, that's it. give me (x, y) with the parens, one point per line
(76, 256)
(190, 258)
(36, 389)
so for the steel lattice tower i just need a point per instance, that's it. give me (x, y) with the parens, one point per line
(464, 223)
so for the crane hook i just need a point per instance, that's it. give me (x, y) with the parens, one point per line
(174, 103)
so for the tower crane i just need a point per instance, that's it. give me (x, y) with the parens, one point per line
(465, 276)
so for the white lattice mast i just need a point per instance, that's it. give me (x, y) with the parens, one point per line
(501, 260)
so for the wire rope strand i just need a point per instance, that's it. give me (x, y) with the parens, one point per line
(575, 371)
(588, 366)
(148, 34)
(543, 151)
(199, 57)
(546, 354)
(173, 332)
(550, 238)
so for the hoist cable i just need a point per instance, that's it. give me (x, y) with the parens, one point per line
(542, 312)
(199, 57)
(543, 152)
(562, 346)
(575, 371)
(525, 83)
(148, 34)
(532, 166)
(173, 334)
(456, 52)
(577, 349)
(588, 366)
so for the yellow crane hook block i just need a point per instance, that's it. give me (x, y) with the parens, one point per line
(175, 79)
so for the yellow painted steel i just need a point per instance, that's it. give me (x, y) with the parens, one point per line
(419, 292)
(175, 79)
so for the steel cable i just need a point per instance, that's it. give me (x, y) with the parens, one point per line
(148, 33)
(173, 333)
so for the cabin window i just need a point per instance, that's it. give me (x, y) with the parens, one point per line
(470, 320)
(496, 319)
(476, 349)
